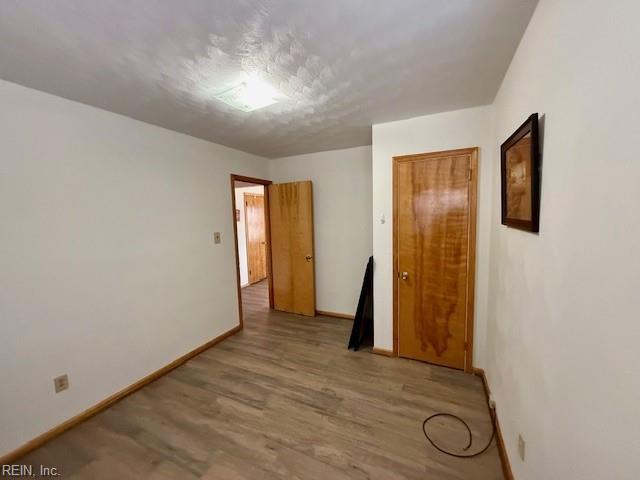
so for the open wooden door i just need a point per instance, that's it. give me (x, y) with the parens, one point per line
(292, 256)
(434, 250)
(256, 236)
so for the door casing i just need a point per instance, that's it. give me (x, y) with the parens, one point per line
(259, 181)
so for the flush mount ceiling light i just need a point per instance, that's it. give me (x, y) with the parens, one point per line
(250, 95)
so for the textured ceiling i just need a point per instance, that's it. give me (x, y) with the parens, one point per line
(343, 64)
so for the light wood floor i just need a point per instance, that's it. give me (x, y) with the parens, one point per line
(282, 399)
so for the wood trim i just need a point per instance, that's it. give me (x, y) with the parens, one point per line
(40, 440)
(471, 261)
(346, 316)
(235, 245)
(257, 181)
(394, 270)
(267, 226)
(313, 247)
(266, 183)
(442, 153)
(383, 351)
(502, 451)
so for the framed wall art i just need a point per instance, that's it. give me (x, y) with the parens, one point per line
(520, 173)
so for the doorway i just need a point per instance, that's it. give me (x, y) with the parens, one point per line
(434, 236)
(250, 201)
(273, 233)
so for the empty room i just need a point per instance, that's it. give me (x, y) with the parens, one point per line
(293, 239)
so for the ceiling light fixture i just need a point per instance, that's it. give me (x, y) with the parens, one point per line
(250, 95)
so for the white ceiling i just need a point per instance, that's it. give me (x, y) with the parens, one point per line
(343, 64)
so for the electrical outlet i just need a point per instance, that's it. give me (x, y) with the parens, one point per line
(521, 447)
(61, 383)
(216, 237)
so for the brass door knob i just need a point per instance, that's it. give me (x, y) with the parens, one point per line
(308, 258)
(404, 275)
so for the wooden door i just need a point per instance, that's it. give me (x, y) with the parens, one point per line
(256, 236)
(434, 255)
(291, 217)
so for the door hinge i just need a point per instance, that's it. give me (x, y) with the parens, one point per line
(466, 345)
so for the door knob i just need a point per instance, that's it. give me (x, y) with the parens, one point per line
(308, 258)
(404, 275)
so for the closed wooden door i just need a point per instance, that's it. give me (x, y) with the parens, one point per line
(435, 205)
(291, 217)
(256, 236)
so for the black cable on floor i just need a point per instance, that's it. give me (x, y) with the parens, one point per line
(458, 455)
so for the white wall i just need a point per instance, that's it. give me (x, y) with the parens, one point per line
(242, 233)
(342, 220)
(445, 131)
(108, 270)
(564, 330)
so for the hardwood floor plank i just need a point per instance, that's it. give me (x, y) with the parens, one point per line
(283, 399)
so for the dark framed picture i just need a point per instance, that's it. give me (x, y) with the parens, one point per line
(520, 172)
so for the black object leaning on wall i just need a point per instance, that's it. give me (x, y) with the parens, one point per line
(362, 332)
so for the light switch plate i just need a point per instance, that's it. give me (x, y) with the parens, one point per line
(521, 447)
(216, 238)
(61, 383)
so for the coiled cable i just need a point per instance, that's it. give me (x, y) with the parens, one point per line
(455, 417)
